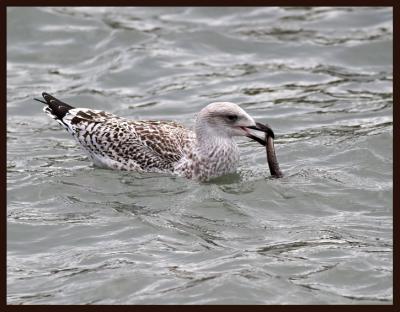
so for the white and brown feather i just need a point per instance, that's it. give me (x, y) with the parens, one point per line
(151, 146)
(119, 143)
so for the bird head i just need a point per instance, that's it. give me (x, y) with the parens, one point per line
(225, 119)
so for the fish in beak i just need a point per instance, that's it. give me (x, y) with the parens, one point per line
(257, 136)
(268, 141)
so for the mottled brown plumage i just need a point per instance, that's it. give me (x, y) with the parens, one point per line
(157, 146)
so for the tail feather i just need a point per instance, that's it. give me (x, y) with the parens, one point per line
(56, 108)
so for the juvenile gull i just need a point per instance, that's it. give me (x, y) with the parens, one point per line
(160, 146)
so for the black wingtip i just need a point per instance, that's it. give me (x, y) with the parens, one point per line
(58, 108)
(48, 98)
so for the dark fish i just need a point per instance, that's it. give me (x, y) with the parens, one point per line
(269, 146)
(271, 156)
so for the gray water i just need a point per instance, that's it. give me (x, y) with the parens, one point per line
(321, 77)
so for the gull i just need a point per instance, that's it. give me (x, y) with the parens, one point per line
(206, 152)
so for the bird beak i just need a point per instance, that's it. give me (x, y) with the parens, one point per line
(256, 135)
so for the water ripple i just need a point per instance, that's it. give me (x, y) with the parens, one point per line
(322, 77)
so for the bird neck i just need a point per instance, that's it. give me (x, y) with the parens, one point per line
(209, 139)
(212, 145)
(218, 153)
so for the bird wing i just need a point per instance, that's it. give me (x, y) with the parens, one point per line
(110, 139)
(147, 144)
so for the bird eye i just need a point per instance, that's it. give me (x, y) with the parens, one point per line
(232, 117)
